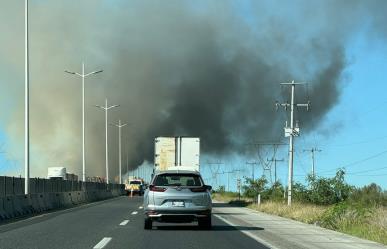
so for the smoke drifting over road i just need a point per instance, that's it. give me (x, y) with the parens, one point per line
(176, 68)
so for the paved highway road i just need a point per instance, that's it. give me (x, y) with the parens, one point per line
(118, 223)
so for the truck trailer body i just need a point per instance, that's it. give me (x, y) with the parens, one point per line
(177, 153)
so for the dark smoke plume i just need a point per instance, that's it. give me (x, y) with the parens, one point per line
(176, 68)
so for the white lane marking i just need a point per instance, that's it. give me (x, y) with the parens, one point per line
(140, 207)
(248, 233)
(124, 223)
(134, 212)
(102, 243)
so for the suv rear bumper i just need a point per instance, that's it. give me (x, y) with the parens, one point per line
(177, 216)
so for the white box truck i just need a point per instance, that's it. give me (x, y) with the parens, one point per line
(57, 173)
(182, 153)
(60, 173)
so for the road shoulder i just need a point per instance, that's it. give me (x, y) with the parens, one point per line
(278, 232)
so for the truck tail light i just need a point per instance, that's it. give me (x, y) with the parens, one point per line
(156, 189)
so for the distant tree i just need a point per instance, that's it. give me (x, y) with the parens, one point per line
(370, 195)
(221, 189)
(275, 192)
(325, 191)
(300, 192)
(254, 187)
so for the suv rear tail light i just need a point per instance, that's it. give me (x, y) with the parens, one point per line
(156, 189)
(200, 189)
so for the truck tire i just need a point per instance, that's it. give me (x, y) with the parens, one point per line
(205, 223)
(147, 224)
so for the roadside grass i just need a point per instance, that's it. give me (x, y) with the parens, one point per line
(225, 196)
(372, 225)
(306, 213)
(351, 218)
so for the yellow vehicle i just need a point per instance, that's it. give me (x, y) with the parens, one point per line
(135, 187)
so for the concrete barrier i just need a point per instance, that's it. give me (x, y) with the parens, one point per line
(49, 194)
(61, 199)
(8, 207)
(2, 186)
(67, 199)
(36, 206)
(17, 205)
(54, 200)
(42, 203)
(81, 197)
(48, 204)
(75, 198)
(26, 204)
(3, 214)
(91, 196)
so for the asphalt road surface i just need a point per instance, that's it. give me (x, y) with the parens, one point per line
(118, 223)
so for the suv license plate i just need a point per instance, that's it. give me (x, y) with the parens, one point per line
(178, 204)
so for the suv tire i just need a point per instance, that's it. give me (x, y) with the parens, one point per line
(147, 224)
(205, 223)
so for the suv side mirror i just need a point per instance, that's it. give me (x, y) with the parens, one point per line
(208, 187)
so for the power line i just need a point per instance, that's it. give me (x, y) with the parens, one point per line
(359, 161)
(355, 173)
(368, 140)
(365, 171)
(275, 160)
(216, 173)
(372, 175)
(252, 167)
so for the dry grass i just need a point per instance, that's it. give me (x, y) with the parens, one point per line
(227, 197)
(306, 213)
(371, 227)
(379, 218)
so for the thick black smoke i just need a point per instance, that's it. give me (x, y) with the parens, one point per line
(176, 68)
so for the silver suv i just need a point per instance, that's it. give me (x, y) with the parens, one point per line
(178, 196)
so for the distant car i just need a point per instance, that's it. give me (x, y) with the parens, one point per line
(178, 196)
(136, 187)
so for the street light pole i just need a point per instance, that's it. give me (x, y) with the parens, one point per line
(26, 110)
(83, 76)
(106, 108)
(119, 147)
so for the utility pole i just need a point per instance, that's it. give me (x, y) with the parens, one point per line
(119, 126)
(233, 171)
(106, 108)
(252, 168)
(228, 178)
(26, 106)
(292, 131)
(275, 160)
(83, 76)
(312, 151)
(266, 165)
(215, 175)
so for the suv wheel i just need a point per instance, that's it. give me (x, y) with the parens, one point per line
(147, 223)
(205, 223)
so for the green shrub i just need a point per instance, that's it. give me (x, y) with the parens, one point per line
(326, 191)
(344, 213)
(370, 195)
(255, 187)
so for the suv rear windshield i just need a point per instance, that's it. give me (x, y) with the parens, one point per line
(185, 180)
(135, 182)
